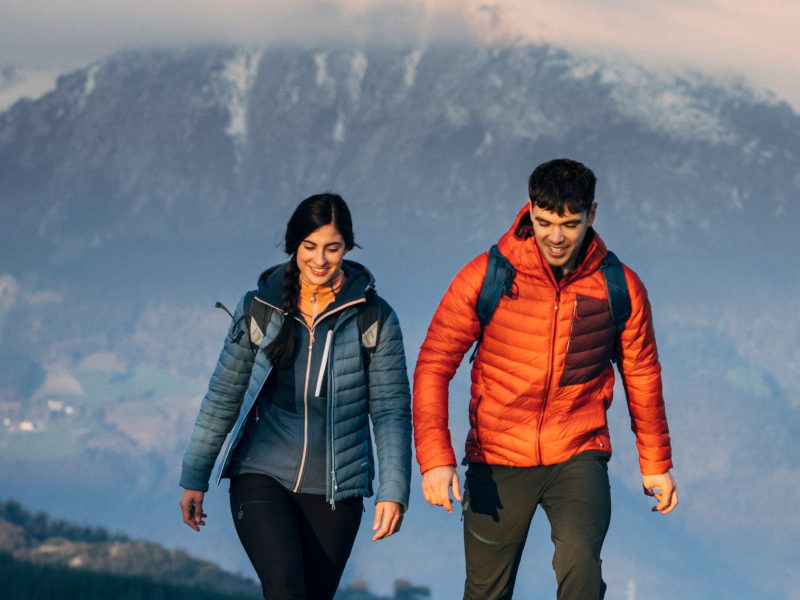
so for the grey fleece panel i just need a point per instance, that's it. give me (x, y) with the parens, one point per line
(390, 411)
(225, 390)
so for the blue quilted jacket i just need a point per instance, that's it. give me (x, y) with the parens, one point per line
(353, 400)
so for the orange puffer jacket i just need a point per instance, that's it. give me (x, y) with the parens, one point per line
(542, 380)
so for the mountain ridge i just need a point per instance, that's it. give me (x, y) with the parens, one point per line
(35, 538)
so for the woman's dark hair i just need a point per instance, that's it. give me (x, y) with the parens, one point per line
(311, 214)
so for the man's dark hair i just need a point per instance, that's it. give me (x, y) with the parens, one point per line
(562, 185)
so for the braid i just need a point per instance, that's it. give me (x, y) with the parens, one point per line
(282, 350)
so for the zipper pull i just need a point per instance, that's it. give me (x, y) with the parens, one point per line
(256, 413)
(335, 487)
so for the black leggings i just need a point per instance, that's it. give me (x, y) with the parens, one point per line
(298, 545)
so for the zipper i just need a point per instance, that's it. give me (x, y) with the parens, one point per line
(335, 488)
(305, 388)
(324, 362)
(332, 387)
(305, 411)
(550, 379)
(572, 324)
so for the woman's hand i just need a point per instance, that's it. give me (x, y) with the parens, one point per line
(192, 507)
(388, 517)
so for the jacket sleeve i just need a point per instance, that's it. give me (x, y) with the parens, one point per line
(641, 378)
(453, 330)
(390, 411)
(225, 391)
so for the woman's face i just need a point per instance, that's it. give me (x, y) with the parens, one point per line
(320, 255)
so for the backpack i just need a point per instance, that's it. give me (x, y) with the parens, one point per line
(500, 276)
(371, 316)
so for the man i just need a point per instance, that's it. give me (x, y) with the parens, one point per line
(542, 381)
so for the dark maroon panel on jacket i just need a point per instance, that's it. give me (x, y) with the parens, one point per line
(591, 341)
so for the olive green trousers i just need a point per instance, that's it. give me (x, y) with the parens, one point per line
(498, 506)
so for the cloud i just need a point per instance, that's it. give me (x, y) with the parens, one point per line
(178, 338)
(41, 32)
(42, 298)
(57, 382)
(734, 37)
(103, 361)
(25, 83)
(9, 290)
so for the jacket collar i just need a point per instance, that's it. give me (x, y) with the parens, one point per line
(358, 280)
(519, 246)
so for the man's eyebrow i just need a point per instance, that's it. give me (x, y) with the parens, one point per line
(570, 222)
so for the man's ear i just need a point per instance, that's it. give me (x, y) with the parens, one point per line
(592, 212)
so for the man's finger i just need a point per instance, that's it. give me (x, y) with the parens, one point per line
(669, 500)
(376, 522)
(672, 503)
(448, 504)
(456, 487)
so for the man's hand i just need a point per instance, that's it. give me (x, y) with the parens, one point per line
(391, 513)
(192, 507)
(664, 489)
(436, 484)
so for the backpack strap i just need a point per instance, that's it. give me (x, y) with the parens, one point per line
(496, 283)
(371, 317)
(619, 298)
(249, 310)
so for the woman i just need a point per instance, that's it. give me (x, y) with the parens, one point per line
(296, 387)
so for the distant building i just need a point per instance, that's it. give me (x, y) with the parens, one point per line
(403, 590)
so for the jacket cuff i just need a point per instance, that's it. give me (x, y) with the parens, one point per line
(444, 458)
(393, 491)
(194, 481)
(656, 468)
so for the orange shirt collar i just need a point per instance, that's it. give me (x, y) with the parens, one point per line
(314, 299)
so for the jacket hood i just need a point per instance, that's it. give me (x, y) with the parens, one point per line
(519, 246)
(359, 280)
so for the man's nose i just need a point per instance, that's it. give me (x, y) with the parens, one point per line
(556, 235)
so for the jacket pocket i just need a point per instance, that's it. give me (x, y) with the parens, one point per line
(591, 341)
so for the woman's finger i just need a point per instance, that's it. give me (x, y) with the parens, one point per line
(376, 523)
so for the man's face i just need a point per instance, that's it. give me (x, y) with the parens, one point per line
(560, 238)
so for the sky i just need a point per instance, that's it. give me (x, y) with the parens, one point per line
(726, 38)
